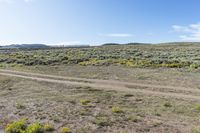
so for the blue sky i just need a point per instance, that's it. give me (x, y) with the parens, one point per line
(98, 21)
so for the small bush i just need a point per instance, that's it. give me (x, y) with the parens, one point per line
(196, 129)
(194, 66)
(48, 127)
(65, 130)
(128, 95)
(116, 109)
(1, 65)
(123, 131)
(84, 102)
(167, 104)
(197, 107)
(35, 128)
(21, 126)
(134, 118)
(16, 127)
(102, 121)
(20, 106)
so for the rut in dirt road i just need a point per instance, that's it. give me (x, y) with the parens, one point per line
(149, 89)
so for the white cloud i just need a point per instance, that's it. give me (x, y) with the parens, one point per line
(179, 28)
(191, 32)
(117, 35)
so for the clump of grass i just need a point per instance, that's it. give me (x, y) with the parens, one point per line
(196, 129)
(13, 65)
(84, 102)
(48, 127)
(168, 104)
(35, 128)
(156, 123)
(102, 121)
(21, 126)
(116, 109)
(157, 113)
(1, 66)
(134, 118)
(197, 107)
(55, 118)
(123, 131)
(194, 66)
(84, 112)
(16, 127)
(20, 106)
(128, 95)
(65, 130)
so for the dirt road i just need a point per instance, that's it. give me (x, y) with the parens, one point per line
(148, 89)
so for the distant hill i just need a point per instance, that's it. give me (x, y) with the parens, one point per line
(180, 43)
(108, 44)
(136, 43)
(167, 43)
(26, 46)
(42, 46)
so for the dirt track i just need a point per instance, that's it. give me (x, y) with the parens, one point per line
(149, 89)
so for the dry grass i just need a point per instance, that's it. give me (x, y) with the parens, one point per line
(91, 110)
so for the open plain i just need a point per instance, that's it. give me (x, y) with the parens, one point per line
(130, 88)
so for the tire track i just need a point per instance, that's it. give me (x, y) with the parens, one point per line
(109, 85)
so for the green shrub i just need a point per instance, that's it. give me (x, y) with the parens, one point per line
(128, 95)
(48, 127)
(196, 129)
(123, 131)
(35, 128)
(13, 65)
(134, 118)
(102, 121)
(194, 66)
(20, 106)
(22, 127)
(116, 109)
(1, 65)
(197, 107)
(172, 65)
(130, 64)
(65, 130)
(16, 127)
(167, 104)
(84, 101)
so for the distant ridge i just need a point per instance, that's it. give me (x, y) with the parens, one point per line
(40, 46)
(25, 46)
(43, 46)
(107, 44)
(134, 43)
(180, 43)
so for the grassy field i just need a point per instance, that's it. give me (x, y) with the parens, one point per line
(86, 109)
(142, 56)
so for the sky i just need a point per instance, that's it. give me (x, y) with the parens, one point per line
(98, 21)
